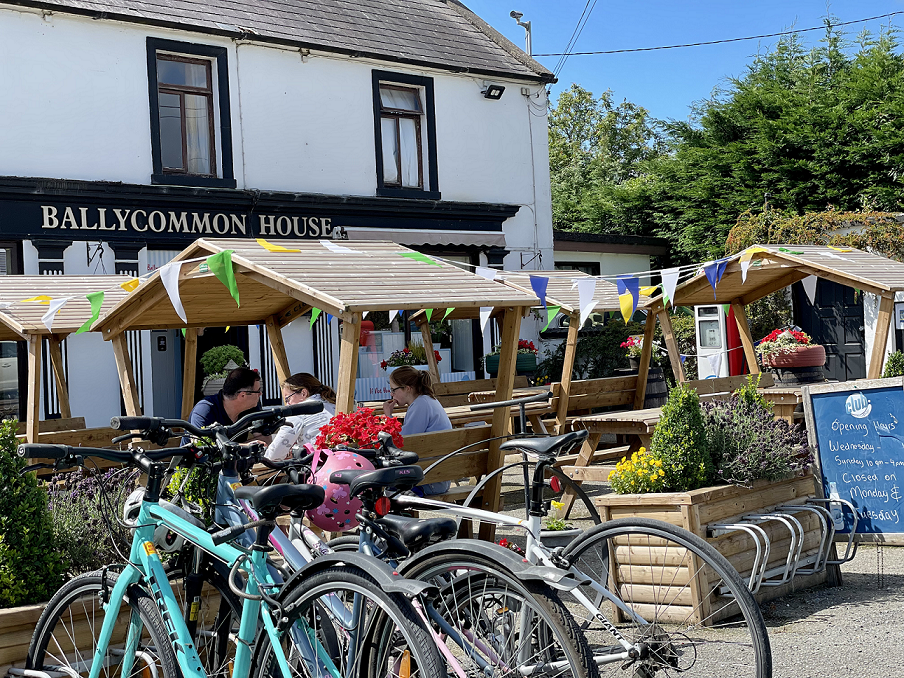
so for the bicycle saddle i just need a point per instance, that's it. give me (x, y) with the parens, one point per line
(358, 481)
(418, 532)
(267, 500)
(545, 447)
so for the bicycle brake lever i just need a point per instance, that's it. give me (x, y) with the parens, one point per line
(34, 467)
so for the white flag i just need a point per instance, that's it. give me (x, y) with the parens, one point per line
(333, 247)
(169, 274)
(670, 282)
(745, 264)
(809, 284)
(715, 363)
(55, 305)
(488, 273)
(485, 313)
(586, 289)
(392, 314)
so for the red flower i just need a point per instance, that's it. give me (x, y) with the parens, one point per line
(437, 356)
(359, 429)
(384, 364)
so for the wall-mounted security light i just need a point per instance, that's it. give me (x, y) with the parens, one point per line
(493, 92)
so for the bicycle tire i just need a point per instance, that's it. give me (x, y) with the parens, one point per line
(75, 612)
(394, 633)
(480, 598)
(700, 618)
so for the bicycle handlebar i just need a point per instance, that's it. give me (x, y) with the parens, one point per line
(46, 451)
(538, 398)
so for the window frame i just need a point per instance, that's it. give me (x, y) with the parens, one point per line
(223, 176)
(427, 119)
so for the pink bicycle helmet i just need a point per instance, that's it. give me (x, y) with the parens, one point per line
(338, 510)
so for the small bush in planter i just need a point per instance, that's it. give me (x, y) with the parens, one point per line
(895, 365)
(680, 442)
(31, 568)
(214, 360)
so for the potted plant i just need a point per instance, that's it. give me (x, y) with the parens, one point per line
(414, 355)
(359, 429)
(633, 348)
(786, 348)
(525, 363)
(556, 530)
(216, 363)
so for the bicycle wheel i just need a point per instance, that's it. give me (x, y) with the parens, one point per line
(505, 626)
(379, 634)
(675, 596)
(65, 638)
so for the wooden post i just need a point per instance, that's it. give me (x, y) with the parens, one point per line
(126, 376)
(671, 345)
(740, 316)
(883, 324)
(571, 347)
(189, 371)
(59, 374)
(433, 367)
(645, 355)
(348, 364)
(502, 417)
(33, 406)
(278, 348)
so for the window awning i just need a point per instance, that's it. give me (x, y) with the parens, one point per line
(417, 236)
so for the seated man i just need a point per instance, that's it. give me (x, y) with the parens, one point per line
(241, 393)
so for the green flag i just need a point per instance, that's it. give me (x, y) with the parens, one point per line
(726, 308)
(417, 256)
(429, 313)
(551, 312)
(315, 313)
(448, 311)
(97, 300)
(220, 265)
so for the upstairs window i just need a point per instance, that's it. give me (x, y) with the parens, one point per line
(191, 140)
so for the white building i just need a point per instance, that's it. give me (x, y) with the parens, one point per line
(132, 127)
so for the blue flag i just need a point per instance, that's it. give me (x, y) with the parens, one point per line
(629, 284)
(538, 284)
(714, 271)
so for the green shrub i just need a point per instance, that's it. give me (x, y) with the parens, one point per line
(597, 355)
(31, 568)
(894, 367)
(680, 442)
(214, 361)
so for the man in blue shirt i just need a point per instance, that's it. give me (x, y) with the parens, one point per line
(241, 393)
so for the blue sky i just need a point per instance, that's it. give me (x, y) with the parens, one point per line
(666, 82)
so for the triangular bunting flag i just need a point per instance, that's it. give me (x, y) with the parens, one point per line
(130, 285)
(429, 313)
(329, 318)
(220, 264)
(839, 249)
(485, 313)
(392, 314)
(809, 284)
(169, 274)
(488, 273)
(97, 300)
(41, 299)
(628, 295)
(715, 362)
(364, 315)
(315, 313)
(714, 271)
(670, 282)
(448, 311)
(682, 357)
(726, 308)
(551, 312)
(333, 247)
(55, 306)
(649, 290)
(270, 247)
(417, 256)
(586, 289)
(538, 284)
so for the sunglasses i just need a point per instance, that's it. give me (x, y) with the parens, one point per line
(257, 392)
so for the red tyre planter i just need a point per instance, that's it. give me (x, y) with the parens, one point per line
(802, 356)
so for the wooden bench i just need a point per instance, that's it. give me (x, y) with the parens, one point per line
(455, 393)
(723, 387)
(49, 425)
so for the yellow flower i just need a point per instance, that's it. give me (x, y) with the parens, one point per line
(557, 504)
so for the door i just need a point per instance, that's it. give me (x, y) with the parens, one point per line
(836, 322)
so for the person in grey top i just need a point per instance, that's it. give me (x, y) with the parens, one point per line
(304, 428)
(425, 414)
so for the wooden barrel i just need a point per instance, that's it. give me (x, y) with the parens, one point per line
(794, 376)
(657, 390)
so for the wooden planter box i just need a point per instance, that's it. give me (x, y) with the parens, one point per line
(16, 627)
(726, 504)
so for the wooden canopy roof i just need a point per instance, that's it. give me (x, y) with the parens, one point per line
(773, 267)
(352, 277)
(20, 318)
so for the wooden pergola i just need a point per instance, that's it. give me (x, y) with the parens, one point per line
(772, 268)
(20, 320)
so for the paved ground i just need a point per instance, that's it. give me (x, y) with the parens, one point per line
(852, 631)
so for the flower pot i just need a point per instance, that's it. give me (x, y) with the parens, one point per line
(423, 368)
(491, 364)
(212, 386)
(634, 363)
(799, 356)
(526, 363)
(555, 538)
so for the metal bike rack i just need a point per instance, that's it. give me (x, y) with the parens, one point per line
(783, 573)
(815, 563)
(851, 549)
(760, 539)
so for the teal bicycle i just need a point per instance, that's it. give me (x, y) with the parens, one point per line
(337, 617)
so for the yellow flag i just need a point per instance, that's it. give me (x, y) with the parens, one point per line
(270, 247)
(130, 285)
(648, 291)
(626, 302)
(839, 249)
(41, 299)
(750, 251)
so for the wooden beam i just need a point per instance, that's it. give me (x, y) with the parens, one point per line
(671, 345)
(278, 348)
(432, 365)
(33, 407)
(774, 286)
(571, 347)
(502, 417)
(189, 371)
(740, 315)
(348, 364)
(292, 312)
(59, 374)
(126, 376)
(645, 356)
(883, 324)
(135, 309)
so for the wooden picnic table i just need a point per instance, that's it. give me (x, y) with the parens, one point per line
(460, 415)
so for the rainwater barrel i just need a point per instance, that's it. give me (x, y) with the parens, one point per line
(657, 390)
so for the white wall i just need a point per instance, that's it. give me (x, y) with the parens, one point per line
(610, 264)
(870, 315)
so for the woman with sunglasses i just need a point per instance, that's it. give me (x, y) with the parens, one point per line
(304, 428)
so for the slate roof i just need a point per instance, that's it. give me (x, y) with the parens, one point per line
(438, 33)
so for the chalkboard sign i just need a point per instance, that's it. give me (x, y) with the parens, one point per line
(858, 430)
